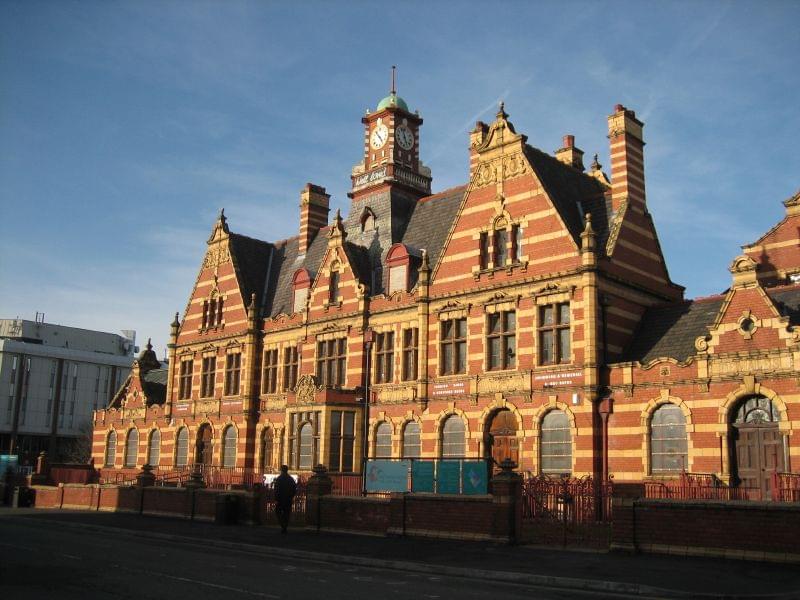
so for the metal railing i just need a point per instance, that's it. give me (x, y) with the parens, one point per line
(786, 487)
(566, 499)
(698, 486)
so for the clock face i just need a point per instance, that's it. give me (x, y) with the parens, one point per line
(379, 136)
(405, 137)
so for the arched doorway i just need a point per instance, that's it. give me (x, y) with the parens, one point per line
(501, 438)
(204, 453)
(757, 445)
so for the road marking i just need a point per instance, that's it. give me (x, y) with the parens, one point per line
(73, 557)
(205, 583)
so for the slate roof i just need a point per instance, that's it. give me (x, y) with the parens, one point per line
(671, 330)
(155, 386)
(573, 193)
(431, 221)
(787, 301)
(252, 259)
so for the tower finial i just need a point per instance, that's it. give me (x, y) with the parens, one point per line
(394, 88)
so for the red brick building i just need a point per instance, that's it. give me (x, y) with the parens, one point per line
(527, 314)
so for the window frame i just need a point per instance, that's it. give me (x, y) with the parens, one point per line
(457, 345)
(228, 458)
(111, 449)
(269, 371)
(544, 431)
(331, 362)
(185, 379)
(233, 374)
(291, 366)
(653, 440)
(382, 447)
(208, 376)
(410, 354)
(384, 357)
(506, 337)
(182, 437)
(155, 434)
(342, 441)
(554, 329)
(418, 445)
(128, 461)
(445, 444)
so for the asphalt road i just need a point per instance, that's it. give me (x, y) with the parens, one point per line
(41, 561)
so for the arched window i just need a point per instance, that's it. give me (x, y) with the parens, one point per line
(333, 287)
(411, 440)
(266, 450)
(111, 449)
(154, 448)
(182, 447)
(383, 441)
(453, 437)
(367, 220)
(556, 443)
(306, 446)
(668, 446)
(131, 448)
(757, 409)
(229, 447)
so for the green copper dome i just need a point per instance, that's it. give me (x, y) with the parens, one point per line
(392, 100)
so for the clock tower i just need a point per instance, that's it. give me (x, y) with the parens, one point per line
(391, 151)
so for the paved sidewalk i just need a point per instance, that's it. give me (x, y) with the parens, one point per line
(644, 575)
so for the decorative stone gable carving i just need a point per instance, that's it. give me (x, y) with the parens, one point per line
(216, 256)
(743, 269)
(616, 225)
(306, 389)
(500, 152)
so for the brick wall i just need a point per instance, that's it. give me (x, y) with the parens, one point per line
(740, 530)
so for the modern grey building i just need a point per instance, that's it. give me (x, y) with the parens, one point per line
(51, 379)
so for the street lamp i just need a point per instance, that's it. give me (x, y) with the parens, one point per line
(368, 337)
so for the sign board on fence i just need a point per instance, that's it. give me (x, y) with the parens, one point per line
(422, 476)
(449, 477)
(387, 475)
(8, 462)
(474, 477)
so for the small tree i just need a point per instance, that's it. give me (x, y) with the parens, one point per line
(77, 450)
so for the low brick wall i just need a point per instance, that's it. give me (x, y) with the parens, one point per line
(767, 531)
(185, 503)
(420, 515)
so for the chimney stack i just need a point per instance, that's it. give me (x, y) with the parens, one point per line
(627, 158)
(476, 138)
(314, 209)
(569, 154)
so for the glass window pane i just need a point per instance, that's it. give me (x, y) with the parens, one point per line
(547, 315)
(546, 347)
(494, 353)
(511, 352)
(447, 329)
(510, 320)
(563, 345)
(556, 443)
(411, 440)
(349, 421)
(461, 357)
(462, 328)
(305, 447)
(453, 437)
(494, 323)
(563, 314)
(447, 359)
(336, 422)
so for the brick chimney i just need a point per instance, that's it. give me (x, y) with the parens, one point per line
(569, 154)
(627, 158)
(476, 138)
(313, 214)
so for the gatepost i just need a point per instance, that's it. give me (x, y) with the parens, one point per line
(507, 502)
(318, 485)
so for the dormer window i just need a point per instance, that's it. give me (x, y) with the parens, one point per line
(368, 221)
(333, 288)
(398, 260)
(501, 245)
(212, 312)
(301, 282)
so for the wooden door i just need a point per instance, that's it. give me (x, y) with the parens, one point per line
(759, 454)
(205, 448)
(502, 438)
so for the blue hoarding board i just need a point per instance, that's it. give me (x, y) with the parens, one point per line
(449, 477)
(474, 477)
(8, 462)
(422, 476)
(387, 475)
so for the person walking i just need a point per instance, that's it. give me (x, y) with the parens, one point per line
(285, 488)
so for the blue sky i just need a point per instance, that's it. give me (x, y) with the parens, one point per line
(125, 126)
